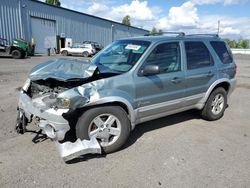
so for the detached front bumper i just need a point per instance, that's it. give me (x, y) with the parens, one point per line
(51, 120)
(55, 127)
(69, 150)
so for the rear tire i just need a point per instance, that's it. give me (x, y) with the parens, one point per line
(16, 54)
(85, 54)
(86, 125)
(65, 53)
(215, 106)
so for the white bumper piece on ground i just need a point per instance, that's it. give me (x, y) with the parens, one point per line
(69, 150)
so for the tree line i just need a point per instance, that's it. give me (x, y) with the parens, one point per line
(242, 43)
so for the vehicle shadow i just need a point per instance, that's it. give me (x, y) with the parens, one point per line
(6, 57)
(85, 158)
(10, 57)
(142, 128)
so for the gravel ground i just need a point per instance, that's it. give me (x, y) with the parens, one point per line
(177, 151)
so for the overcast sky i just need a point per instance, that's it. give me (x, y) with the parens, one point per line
(194, 16)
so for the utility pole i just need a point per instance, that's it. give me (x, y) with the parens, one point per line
(218, 31)
(112, 28)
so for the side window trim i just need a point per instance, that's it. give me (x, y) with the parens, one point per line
(180, 44)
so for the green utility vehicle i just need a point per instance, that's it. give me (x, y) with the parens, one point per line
(18, 49)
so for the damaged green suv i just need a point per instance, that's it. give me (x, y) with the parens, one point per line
(131, 81)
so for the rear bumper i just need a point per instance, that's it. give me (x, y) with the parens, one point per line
(51, 120)
(233, 83)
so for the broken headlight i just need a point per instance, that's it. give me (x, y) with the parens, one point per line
(62, 103)
(26, 85)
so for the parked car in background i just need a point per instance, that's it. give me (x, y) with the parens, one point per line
(84, 50)
(98, 47)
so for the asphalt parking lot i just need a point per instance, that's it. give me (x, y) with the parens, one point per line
(177, 151)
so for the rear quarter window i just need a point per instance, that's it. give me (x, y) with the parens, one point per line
(198, 56)
(222, 51)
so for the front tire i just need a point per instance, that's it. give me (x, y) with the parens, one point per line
(215, 106)
(16, 54)
(64, 53)
(109, 124)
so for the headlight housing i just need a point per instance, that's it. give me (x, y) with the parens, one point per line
(63, 103)
(26, 85)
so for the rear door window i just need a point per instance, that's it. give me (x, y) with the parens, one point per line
(221, 50)
(198, 55)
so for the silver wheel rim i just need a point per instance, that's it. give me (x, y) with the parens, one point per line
(106, 128)
(218, 104)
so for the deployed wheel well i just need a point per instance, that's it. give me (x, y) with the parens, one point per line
(224, 85)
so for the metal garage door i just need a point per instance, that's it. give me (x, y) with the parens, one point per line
(44, 32)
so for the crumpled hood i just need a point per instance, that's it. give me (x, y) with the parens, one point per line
(62, 70)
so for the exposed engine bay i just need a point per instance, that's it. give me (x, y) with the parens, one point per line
(52, 85)
(41, 87)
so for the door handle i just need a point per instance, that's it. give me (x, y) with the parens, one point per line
(210, 74)
(176, 80)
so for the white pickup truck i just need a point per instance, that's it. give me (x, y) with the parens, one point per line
(85, 50)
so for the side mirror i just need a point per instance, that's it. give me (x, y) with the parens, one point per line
(151, 70)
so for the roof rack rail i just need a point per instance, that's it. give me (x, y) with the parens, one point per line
(165, 32)
(204, 34)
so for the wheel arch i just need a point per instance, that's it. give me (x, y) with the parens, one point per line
(16, 48)
(225, 83)
(113, 101)
(64, 50)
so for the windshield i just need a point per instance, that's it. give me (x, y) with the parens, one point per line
(120, 56)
